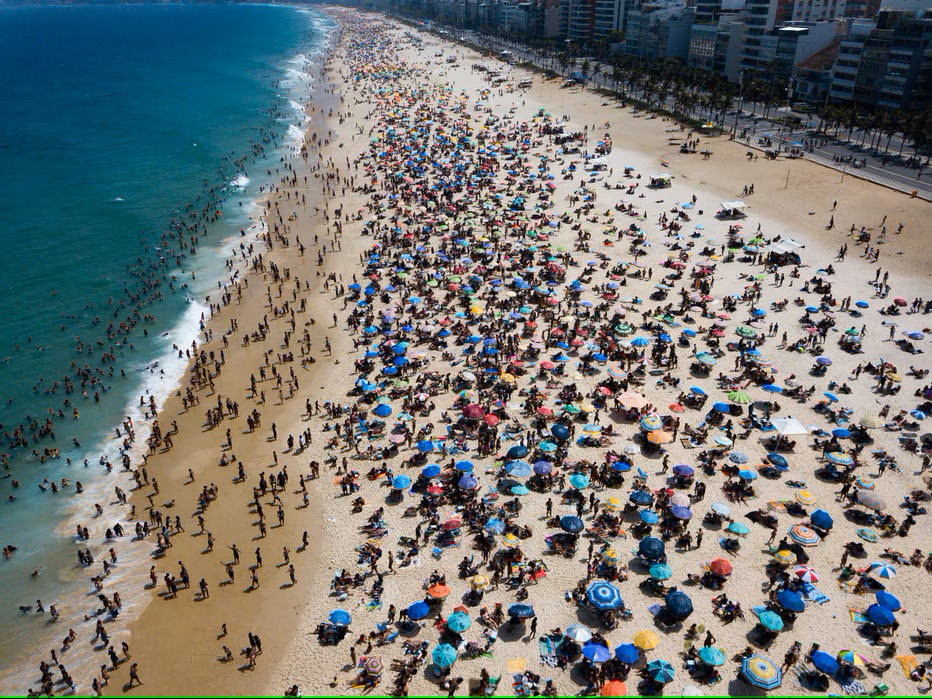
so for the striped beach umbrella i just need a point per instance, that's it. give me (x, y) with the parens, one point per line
(604, 596)
(761, 672)
(882, 570)
(870, 500)
(804, 535)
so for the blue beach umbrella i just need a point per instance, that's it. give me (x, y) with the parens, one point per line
(579, 481)
(824, 662)
(772, 388)
(431, 471)
(468, 482)
(518, 451)
(711, 655)
(887, 600)
(604, 596)
(641, 497)
(738, 457)
(822, 519)
(401, 482)
(464, 466)
(425, 446)
(661, 671)
(649, 517)
(340, 617)
(679, 605)
(660, 571)
(627, 653)
(571, 524)
(880, 615)
(770, 620)
(519, 610)
(542, 467)
(761, 672)
(519, 469)
(382, 410)
(596, 652)
(444, 655)
(791, 600)
(777, 460)
(495, 525)
(721, 407)
(418, 611)
(458, 622)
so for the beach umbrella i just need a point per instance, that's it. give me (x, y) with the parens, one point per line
(837, 457)
(806, 574)
(578, 480)
(592, 429)
(841, 433)
(720, 566)
(680, 512)
(418, 611)
(824, 662)
(611, 556)
(711, 655)
(864, 483)
(458, 622)
(650, 547)
(401, 482)
(641, 497)
(738, 528)
(438, 590)
(468, 482)
(659, 437)
(802, 534)
(739, 396)
(452, 524)
(679, 605)
(372, 666)
(596, 652)
(651, 422)
(646, 639)
(494, 525)
(382, 410)
(871, 421)
(868, 535)
(571, 524)
(425, 446)
(578, 632)
(887, 600)
(785, 556)
(649, 517)
(518, 451)
(542, 467)
(870, 500)
(791, 600)
(660, 571)
(721, 407)
(772, 388)
(444, 655)
(831, 396)
(823, 361)
(340, 617)
(821, 519)
(519, 610)
(880, 615)
(738, 457)
(696, 390)
(761, 672)
(660, 671)
(770, 620)
(464, 466)
(721, 508)
(629, 399)
(621, 466)
(681, 499)
(747, 474)
(851, 657)
(604, 596)
(547, 447)
(722, 440)
(614, 688)
(777, 460)
(473, 411)
(627, 653)
(431, 471)
(519, 469)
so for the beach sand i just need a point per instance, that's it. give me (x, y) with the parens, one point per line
(176, 640)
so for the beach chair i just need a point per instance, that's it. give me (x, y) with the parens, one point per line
(493, 685)
(879, 690)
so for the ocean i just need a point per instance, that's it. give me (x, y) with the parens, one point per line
(117, 124)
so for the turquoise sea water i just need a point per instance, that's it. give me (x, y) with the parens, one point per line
(117, 123)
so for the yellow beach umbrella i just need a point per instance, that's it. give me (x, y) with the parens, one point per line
(646, 639)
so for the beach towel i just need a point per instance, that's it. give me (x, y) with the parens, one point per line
(813, 594)
(908, 663)
(856, 616)
(853, 687)
(516, 665)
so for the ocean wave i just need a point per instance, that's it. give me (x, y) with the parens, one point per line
(240, 181)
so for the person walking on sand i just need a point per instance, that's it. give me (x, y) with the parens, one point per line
(134, 675)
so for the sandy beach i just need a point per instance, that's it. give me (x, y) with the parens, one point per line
(426, 188)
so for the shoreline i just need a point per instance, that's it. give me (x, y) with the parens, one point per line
(282, 613)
